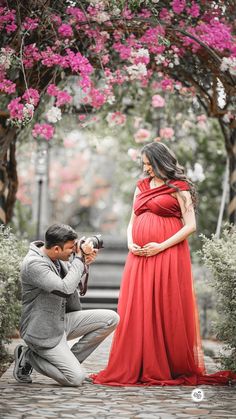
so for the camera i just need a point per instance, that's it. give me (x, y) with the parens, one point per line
(96, 240)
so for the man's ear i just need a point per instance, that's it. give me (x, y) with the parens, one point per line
(56, 248)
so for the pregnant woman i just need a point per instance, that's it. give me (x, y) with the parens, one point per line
(157, 341)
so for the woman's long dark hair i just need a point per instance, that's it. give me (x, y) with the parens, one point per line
(166, 167)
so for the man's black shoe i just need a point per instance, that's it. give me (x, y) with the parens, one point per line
(22, 369)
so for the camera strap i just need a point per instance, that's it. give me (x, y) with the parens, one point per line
(83, 284)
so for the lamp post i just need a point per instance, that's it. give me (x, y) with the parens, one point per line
(41, 207)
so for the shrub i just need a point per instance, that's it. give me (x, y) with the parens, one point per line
(219, 256)
(12, 250)
(206, 306)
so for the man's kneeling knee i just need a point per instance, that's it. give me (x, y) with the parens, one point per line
(114, 320)
(76, 380)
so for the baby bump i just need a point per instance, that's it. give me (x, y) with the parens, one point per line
(149, 227)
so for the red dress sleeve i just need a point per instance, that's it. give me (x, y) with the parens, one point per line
(182, 185)
(143, 184)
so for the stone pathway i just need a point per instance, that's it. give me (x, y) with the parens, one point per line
(45, 399)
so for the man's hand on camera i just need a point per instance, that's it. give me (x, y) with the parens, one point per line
(91, 258)
(84, 248)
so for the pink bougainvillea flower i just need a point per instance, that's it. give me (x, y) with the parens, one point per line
(127, 14)
(145, 13)
(142, 135)
(178, 6)
(55, 19)
(29, 24)
(194, 10)
(31, 96)
(165, 15)
(31, 55)
(77, 13)
(69, 142)
(7, 19)
(82, 117)
(202, 121)
(167, 133)
(52, 90)
(215, 34)
(167, 84)
(62, 98)
(15, 108)
(45, 131)
(78, 63)
(95, 97)
(115, 118)
(133, 154)
(124, 50)
(158, 101)
(7, 86)
(65, 30)
(202, 118)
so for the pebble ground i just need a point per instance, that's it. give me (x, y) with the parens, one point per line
(45, 399)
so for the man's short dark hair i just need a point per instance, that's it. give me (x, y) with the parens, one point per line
(58, 235)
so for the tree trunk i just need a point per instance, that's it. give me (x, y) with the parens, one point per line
(8, 174)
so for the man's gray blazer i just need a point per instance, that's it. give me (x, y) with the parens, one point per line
(46, 297)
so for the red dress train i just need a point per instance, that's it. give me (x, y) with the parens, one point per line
(157, 341)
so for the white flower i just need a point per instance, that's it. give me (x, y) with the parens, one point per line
(137, 71)
(116, 11)
(28, 110)
(142, 52)
(97, 3)
(54, 114)
(176, 60)
(187, 124)
(159, 59)
(196, 175)
(102, 17)
(111, 99)
(229, 63)
(6, 57)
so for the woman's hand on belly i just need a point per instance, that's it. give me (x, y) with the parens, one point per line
(136, 249)
(151, 249)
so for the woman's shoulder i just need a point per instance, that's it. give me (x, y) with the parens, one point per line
(180, 184)
(143, 184)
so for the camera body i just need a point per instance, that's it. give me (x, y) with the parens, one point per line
(96, 240)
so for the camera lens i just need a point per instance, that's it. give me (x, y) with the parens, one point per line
(97, 241)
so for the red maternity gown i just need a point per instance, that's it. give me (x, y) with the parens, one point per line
(157, 341)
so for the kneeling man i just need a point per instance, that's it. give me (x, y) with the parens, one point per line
(51, 309)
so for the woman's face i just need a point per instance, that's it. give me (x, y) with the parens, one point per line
(147, 167)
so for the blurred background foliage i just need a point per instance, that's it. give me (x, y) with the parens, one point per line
(94, 166)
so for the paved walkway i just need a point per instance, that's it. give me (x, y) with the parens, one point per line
(45, 399)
